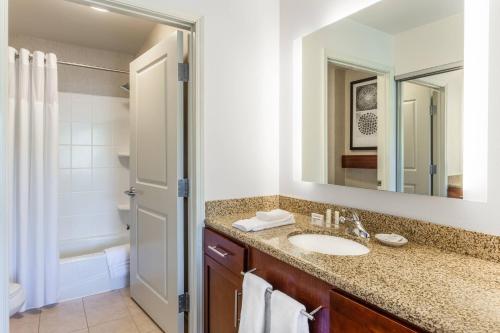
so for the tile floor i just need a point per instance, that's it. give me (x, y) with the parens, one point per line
(112, 312)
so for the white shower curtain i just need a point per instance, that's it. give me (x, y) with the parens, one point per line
(32, 159)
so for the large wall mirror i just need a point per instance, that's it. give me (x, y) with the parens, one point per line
(382, 99)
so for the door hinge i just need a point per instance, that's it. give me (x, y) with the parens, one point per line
(183, 188)
(184, 303)
(433, 169)
(433, 110)
(183, 72)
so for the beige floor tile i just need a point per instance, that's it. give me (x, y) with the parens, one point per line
(124, 325)
(81, 331)
(125, 292)
(144, 323)
(133, 307)
(105, 307)
(65, 317)
(26, 322)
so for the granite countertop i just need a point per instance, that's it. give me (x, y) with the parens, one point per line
(436, 290)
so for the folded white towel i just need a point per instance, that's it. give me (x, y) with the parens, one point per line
(286, 316)
(273, 215)
(255, 224)
(118, 258)
(253, 305)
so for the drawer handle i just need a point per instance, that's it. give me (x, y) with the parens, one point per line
(236, 295)
(220, 253)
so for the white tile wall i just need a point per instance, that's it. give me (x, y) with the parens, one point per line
(93, 129)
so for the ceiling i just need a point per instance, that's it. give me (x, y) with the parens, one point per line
(67, 22)
(395, 16)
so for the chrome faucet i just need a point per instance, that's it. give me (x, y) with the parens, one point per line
(358, 229)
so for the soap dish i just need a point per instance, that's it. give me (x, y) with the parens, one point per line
(391, 239)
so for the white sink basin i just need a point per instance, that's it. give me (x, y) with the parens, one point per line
(328, 245)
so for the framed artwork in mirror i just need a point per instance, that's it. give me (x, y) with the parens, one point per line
(364, 116)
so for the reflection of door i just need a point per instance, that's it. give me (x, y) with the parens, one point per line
(416, 123)
(156, 271)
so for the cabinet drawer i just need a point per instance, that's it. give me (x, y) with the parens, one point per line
(226, 252)
(349, 316)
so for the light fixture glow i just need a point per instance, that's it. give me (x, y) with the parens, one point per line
(476, 104)
(102, 10)
(297, 109)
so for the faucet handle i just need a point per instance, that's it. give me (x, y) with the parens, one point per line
(353, 214)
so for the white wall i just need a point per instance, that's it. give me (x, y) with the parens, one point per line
(240, 101)
(413, 48)
(92, 131)
(299, 18)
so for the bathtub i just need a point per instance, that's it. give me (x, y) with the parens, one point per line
(83, 269)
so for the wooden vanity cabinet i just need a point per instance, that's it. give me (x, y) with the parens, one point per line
(350, 316)
(297, 284)
(225, 259)
(222, 298)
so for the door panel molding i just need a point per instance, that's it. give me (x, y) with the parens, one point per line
(151, 256)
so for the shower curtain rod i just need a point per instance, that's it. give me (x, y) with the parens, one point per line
(75, 64)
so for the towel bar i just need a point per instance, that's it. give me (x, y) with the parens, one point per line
(249, 271)
(309, 315)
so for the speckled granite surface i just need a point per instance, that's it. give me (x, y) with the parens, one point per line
(442, 237)
(244, 205)
(436, 290)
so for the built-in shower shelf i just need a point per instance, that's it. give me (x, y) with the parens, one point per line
(124, 208)
(124, 154)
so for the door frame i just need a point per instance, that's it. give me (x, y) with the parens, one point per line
(399, 79)
(196, 208)
(4, 99)
(387, 118)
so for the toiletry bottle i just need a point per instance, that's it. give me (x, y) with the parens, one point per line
(317, 219)
(337, 219)
(328, 221)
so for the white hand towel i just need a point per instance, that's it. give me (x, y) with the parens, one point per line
(286, 316)
(254, 224)
(253, 307)
(118, 258)
(273, 215)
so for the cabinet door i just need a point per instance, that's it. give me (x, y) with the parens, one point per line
(297, 284)
(349, 316)
(222, 298)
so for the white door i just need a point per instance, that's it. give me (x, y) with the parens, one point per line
(416, 138)
(156, 165)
